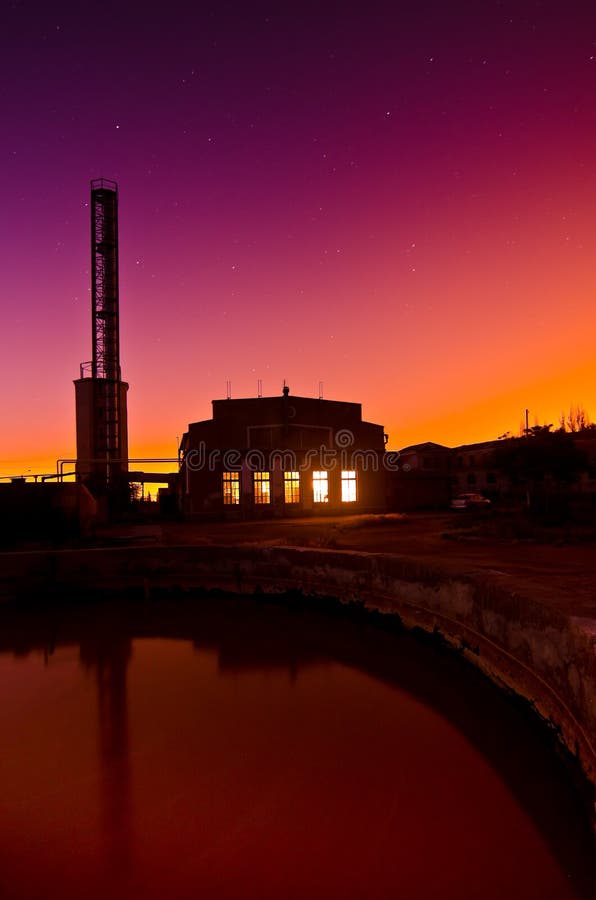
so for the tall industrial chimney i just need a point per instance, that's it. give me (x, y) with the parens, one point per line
(102, 433)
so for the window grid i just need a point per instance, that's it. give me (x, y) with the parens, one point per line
(262, 487)
(348, 487)
(231, 488)
(292, 487)
(320, 487)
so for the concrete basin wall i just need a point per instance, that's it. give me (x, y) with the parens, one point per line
(522, 644)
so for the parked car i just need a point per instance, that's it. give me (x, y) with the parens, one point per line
(470, 501)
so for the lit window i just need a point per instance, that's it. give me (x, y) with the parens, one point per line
(231, 488)
(320, 487)
(348, 487)
(262, 487)
(292, 487)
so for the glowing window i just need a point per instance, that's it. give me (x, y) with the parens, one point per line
(262, 487)
(231, 488)
(320, 487)
(348, 487)
(292, 487)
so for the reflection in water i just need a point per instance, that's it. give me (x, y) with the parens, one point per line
(107, 653)
(231, 748)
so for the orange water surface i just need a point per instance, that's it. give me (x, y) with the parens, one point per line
(235, 749)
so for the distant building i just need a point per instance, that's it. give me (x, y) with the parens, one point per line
(474, 469)
(281, 456)
(429, 474)
(422, 479)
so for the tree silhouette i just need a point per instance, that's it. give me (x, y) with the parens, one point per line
(575, 420)
(544, 463)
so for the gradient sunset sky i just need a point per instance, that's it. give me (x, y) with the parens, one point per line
(395, 199)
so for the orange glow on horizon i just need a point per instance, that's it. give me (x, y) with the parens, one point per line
(461, 421)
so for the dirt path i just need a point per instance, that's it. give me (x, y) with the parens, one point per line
(563, 576)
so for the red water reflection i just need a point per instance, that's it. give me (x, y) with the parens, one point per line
(244, 764)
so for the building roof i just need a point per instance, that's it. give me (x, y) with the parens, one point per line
(427, 446)
(481, 445)
(230, 404)
(286, 407)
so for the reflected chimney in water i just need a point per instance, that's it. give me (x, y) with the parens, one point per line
(109, 656)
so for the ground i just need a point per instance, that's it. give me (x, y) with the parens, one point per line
(562, 575)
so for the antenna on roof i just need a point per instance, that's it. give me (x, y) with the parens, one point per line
(259, 388)
(320, 390)
(228, 390)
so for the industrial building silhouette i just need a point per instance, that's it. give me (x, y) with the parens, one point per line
(257, 457)
(303, 441)
(282, 456)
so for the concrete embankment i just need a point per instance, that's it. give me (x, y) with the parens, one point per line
(522, 644)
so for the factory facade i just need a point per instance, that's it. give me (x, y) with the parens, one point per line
(281, 456)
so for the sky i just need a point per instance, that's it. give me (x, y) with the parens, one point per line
(394, 199)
